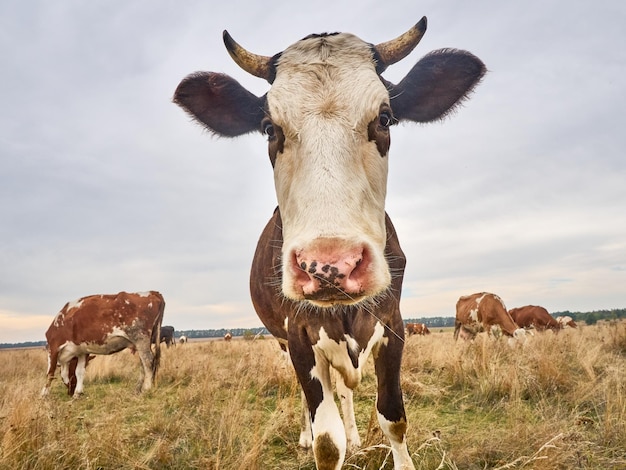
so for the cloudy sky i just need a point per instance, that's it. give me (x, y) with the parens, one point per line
(105, 185)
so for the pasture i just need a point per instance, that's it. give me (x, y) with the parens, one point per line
(558, 402)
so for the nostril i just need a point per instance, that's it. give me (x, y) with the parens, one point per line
(360, 267)
(300, 271)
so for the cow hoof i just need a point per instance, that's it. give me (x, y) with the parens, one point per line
(353, 446)
(306, 442)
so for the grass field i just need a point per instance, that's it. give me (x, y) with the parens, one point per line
(559, 402)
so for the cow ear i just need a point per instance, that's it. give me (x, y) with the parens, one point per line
(220, 103)
(436, 85)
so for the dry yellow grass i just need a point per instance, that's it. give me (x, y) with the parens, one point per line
(557, 403)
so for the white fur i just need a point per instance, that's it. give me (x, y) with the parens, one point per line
(330, 353)
(330, 180)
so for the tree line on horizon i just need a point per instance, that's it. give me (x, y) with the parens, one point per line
(589, 318)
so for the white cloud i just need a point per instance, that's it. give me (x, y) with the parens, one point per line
(106, 185)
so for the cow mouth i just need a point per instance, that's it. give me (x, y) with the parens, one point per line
(330, 295)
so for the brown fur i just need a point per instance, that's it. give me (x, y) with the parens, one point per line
(532, 316)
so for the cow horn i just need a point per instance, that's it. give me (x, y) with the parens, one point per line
(390, 52)
(257, 65)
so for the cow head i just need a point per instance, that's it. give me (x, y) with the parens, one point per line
(327, 119)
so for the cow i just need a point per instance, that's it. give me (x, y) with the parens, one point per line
(484, 312)
(566, 321)
(167, 336)
(104, 324)
(417, 329)
(228, 336)
(327, 273)
(183, 339)
(532, 316)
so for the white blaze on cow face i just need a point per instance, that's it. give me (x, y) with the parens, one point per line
(330, 177)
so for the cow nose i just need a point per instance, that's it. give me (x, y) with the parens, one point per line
(328, 273)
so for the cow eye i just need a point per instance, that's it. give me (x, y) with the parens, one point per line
(385, 119)
(268, 128)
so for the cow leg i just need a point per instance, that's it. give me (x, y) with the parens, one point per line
(306, 435)
(146, 357)
(329, 437)
(457, 328)
(53, 357)
(389, 403)
(347, 409)
(80, 375)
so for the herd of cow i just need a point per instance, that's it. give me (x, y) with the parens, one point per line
(106, 324)
(486, 312)
(327, 273)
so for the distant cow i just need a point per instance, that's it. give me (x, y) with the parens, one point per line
(532, 316)
(566, 321)
(167, 336)
(183, 339)
(484, 312)
(104, 324)
(417, 329)
(228, 336)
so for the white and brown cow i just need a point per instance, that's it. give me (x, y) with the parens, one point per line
(417, 329)
(484, 312)
(566, 321)
(533, 316)
(327, 272)
(105, 324)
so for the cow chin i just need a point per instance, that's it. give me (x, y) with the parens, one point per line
(330, 297)
(337, 304)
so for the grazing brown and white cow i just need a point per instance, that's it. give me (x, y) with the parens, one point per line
(566, 321)
(104, 324)
(484, 312)
(183, 339)
(228, 336)
(327, 272)
(532, 316)
(417, 329)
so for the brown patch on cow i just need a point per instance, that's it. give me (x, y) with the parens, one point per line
(378, 130)
(326, 452)
(398, 429)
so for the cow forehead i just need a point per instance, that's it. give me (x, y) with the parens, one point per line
(329, 77)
